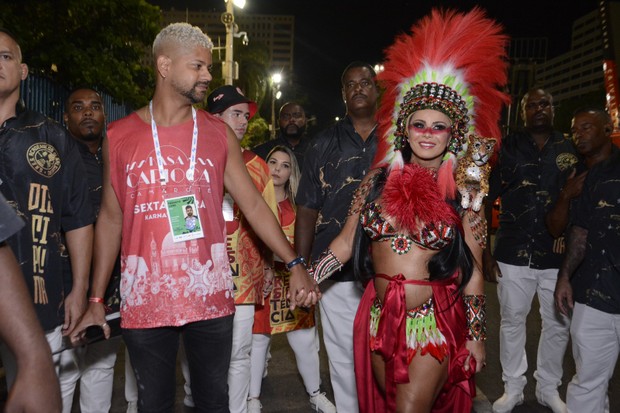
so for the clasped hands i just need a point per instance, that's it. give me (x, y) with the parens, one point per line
(306, 293)
(303, 289)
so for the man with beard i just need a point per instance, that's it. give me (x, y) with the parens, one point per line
(93, 365)
(526, 257)
(250, 261)
(190, 219)
(177, 285)
(293, 122)
(41, 176)
(335, 164)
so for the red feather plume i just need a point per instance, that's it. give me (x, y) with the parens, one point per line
(472, 44)
(411, 197)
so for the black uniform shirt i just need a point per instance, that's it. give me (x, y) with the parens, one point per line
(94, 175)
(335, 164)
(596, 282)
(42, 177)
(528, 182)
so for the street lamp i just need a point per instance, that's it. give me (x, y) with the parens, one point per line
(228, 18)
(276, 78)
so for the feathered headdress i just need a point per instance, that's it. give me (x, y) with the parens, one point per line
(452, 62)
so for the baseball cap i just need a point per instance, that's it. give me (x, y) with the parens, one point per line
(226, 96)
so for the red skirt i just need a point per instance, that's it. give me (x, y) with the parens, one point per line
(458, 392)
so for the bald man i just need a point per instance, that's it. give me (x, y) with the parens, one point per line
(41, 176)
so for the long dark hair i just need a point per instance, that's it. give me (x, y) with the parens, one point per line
(454, 257)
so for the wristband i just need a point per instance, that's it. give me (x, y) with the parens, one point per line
(96, 300)
(476, 314)
(324, 266)
(296, 261)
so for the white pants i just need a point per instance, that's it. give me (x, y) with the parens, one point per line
(67, 364)
(305, 345)
(338, 307)
(240, 364)
(97, 366)
(69, 375)
(131, 386)
(93, 367)
(185, 369)
(596, 344)
(515, 290)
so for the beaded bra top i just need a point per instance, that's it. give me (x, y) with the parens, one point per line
(430, 236)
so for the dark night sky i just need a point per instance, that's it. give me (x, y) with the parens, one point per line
(330, 34)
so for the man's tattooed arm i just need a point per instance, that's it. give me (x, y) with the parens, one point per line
(575, 250)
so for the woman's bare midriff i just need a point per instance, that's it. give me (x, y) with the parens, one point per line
(413, 265)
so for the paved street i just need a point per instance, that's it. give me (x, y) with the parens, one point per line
(491, 380)
(283, 391)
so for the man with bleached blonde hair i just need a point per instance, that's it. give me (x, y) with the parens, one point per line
(176, 283)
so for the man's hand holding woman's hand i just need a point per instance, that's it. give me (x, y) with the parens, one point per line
(303, 290)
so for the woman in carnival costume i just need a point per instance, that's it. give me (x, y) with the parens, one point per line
(420, 327)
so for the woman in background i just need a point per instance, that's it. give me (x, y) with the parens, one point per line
(275, 317)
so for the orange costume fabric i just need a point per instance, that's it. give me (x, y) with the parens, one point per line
(246, 253)
(274, 316)
(458, 391)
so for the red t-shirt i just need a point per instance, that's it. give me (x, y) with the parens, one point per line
(167, 283)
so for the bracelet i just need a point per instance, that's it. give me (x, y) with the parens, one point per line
(96, 300)
(476, 314)
(324, 266)
(296, 261)
(478, 225)
(266, 268)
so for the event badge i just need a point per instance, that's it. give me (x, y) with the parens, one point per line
(184, 218)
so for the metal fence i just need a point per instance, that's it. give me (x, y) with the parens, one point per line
(43, 95)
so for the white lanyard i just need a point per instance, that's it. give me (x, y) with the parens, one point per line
(163, 178)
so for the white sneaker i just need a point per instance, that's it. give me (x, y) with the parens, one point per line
(551, 400)
(254, 406)
(320, 403)
(188, 400)
(132, 407)
(507, 402)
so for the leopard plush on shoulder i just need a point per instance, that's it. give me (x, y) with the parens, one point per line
(472, 172)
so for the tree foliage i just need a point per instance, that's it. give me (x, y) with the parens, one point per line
(253, 61)
(253, 70)
(105, 44)
(98, 43)
(258, 132)
(253, 80)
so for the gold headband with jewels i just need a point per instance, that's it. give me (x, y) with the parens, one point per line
(437, 97)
